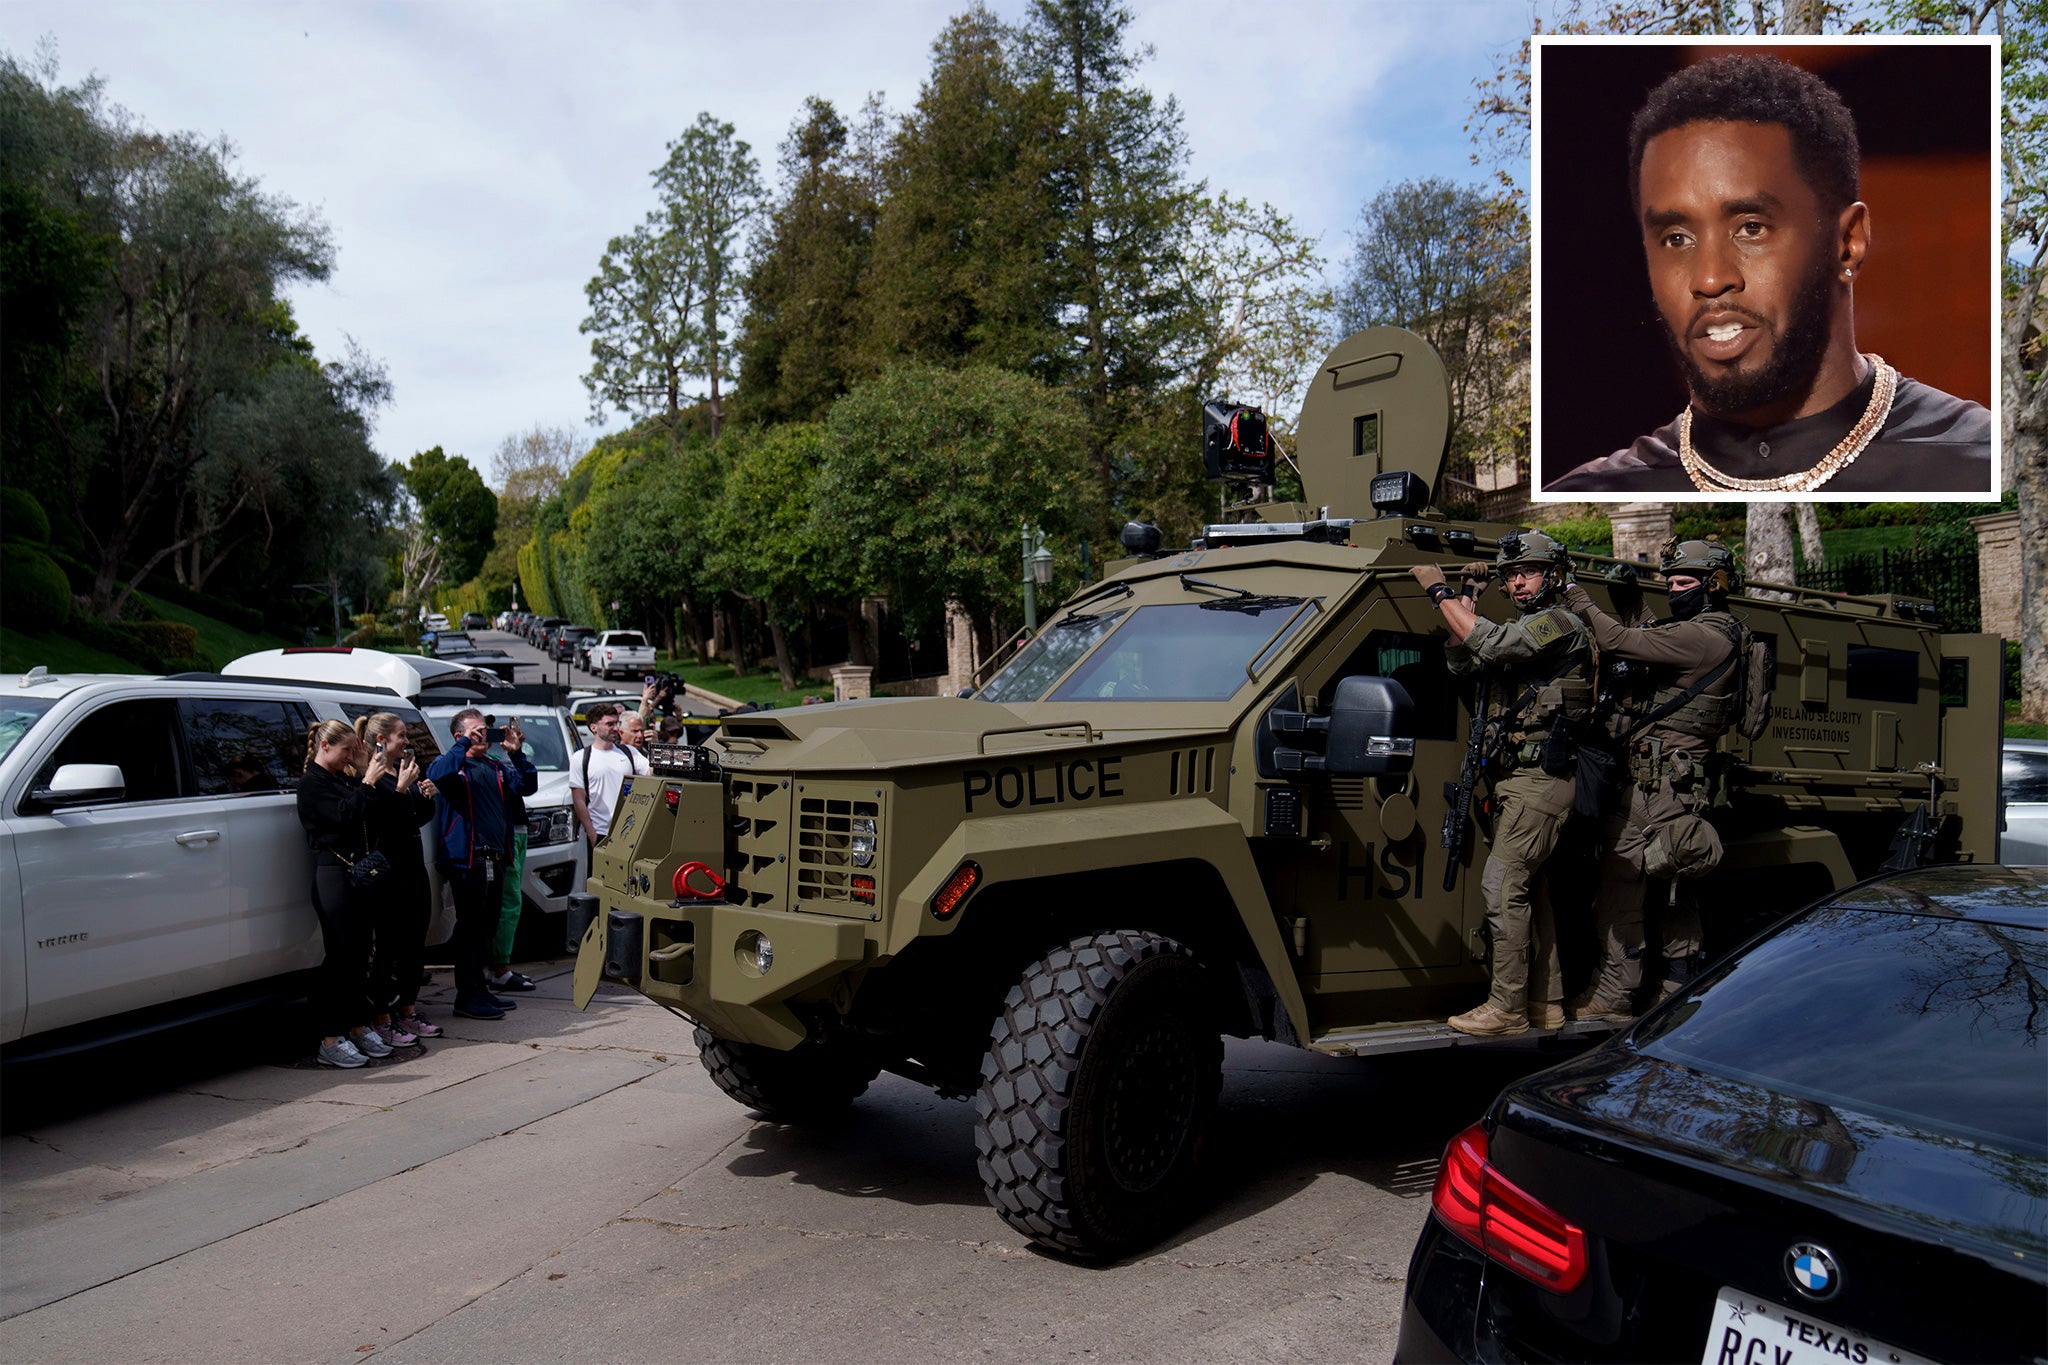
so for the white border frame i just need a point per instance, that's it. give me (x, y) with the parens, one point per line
(1542, 40)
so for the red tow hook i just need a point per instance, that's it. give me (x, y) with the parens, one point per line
(685, 892)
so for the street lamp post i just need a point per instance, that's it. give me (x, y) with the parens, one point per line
(1037, 572)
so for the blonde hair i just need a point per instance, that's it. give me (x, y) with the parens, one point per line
(325, 732)
(375, 727)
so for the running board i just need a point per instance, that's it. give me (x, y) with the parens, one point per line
(1386, 1039)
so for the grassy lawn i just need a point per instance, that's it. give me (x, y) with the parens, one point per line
(1867, 540)
(19, 652)
(762, 685)
(219, 642)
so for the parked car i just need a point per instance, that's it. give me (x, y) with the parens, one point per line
(475, 620)
(562, 643)
(537, 629)
(436, 622)
(152, 865)
(2023, 783)
(582, 648)
(624, 652)
(557, 858)
(1832, 1146)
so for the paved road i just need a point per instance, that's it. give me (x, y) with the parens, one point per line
(546, 670)
(571, 1186)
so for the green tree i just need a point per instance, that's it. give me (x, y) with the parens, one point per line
(767, 547)
(162, 265)
(1430, 256)
(529, 468)
(966, 251)
(1125, 205)
(929, 473)
(641, 538)
(455, 508)
(801, 336)
(711, 188)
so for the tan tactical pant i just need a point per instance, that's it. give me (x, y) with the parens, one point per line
(1618, 908)
(1530, 808)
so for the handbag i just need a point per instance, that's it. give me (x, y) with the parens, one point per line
(365, 870)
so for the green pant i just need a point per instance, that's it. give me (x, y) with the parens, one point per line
(508, 908)
(1618, 910)
(1530, 808)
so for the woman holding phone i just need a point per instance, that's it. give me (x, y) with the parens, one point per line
(400, 910)
(336, 797)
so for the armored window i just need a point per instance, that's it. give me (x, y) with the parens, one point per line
(1417, 663)
(1039, 664)
(2024, 775)
(1191, 651)
(1879, 674)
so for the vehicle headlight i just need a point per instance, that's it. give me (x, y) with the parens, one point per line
(754, 952)
(862, 840)
(552, 826)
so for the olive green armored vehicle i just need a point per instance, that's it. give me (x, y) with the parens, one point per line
(1208, 798)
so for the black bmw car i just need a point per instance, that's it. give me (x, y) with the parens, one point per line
(1833, 1147)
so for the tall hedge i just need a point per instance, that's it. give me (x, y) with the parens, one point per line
(22, 518)
(38, 594)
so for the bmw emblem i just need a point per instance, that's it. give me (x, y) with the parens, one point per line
(1812, 1271)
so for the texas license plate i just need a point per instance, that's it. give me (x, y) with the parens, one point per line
(1747, 1330)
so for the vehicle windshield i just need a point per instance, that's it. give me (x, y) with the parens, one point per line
(18, 716)
(546, 748)
(1039, 664)
(1187, 651)
(627, 641)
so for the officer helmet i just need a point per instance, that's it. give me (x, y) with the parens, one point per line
(1526, 549)
(1707, 560)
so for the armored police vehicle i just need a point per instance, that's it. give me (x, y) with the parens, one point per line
(1208, 798)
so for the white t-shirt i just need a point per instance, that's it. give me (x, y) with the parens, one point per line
(608, 771)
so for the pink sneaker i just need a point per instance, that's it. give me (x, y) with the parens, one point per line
(397, 1033)
(419, 1027)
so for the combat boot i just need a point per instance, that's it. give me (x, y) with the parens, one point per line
(1588, 1008)
(1491, 1021)
(1546, 1014)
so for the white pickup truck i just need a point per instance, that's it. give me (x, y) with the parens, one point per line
(621, 651)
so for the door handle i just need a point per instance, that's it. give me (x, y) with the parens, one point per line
(198, 836)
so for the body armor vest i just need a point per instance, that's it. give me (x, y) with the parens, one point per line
(1712, 712)
(1549, 683)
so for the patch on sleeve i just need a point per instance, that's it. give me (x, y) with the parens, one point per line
(1544, 629)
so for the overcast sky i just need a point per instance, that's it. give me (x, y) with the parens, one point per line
(473, 158)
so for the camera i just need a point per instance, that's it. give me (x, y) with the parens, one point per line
(665, 685)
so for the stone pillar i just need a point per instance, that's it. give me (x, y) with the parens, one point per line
(1640, 530)
(961, 659)
(1998, 573)
(853, 682)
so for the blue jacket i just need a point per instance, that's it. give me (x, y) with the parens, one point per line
(472, 803)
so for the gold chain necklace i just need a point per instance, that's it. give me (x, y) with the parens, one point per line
(1708, 479)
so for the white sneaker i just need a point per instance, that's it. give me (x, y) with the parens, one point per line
(341, 1052)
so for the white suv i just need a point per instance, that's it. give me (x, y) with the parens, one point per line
(152, 864)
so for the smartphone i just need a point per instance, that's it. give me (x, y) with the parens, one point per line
(647, 681)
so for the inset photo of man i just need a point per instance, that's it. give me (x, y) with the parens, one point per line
(1764, 271)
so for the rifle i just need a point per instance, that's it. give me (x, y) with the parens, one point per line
(1458, 794)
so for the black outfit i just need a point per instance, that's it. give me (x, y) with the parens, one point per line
(1931, 442)
(401, 914)
(336, 812)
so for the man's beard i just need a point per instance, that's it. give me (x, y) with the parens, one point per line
(1795, 354)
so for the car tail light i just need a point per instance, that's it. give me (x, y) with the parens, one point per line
(1513, 1227)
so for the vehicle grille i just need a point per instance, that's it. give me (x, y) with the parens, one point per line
(825, 858)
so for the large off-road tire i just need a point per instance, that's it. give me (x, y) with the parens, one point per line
(811, 1082)
(1096, 1093)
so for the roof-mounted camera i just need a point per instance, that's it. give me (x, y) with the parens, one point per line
(1236, 443)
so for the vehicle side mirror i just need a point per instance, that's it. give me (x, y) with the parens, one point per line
(1372, 728)
(81, 784)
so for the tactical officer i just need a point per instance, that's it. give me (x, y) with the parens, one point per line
(1692, 701)
(1538, 669)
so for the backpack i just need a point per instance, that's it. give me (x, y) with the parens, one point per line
(1756, 663)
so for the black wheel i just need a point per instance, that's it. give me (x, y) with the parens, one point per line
(810, 1082)
(1096, 1093)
